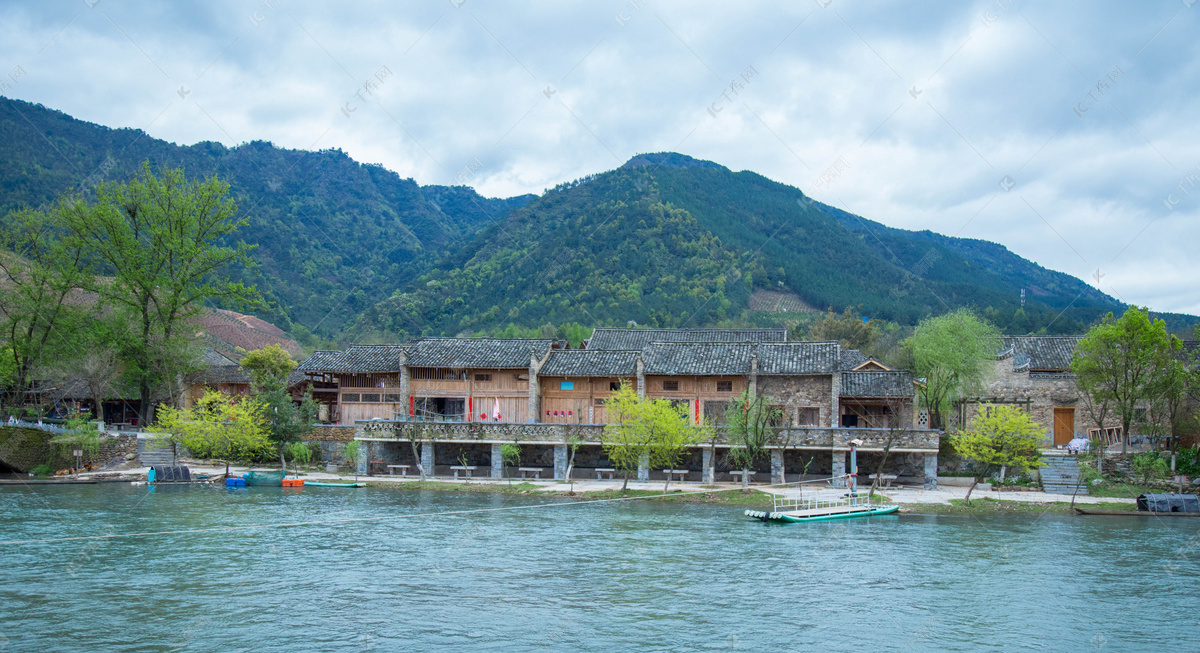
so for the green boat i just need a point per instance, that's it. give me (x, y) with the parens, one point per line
(265, 479)
(821, 514)
(320, 484)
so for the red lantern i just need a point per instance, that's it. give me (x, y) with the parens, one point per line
(482, 415)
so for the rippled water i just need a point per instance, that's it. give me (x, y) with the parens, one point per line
(596, 577)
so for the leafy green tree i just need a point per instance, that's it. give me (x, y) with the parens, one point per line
(748, 421)
(851, 330)
(1150, 466)
(510, 455)
(351, 452)
(1001, 437)
(161, 238)
(268, 365)
(644, 431)
(217, 426)
(299, 453)
(41, 272)
(951, 355)
(1126, 363)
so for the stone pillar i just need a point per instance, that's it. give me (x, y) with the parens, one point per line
(777, 470)
(535, 393)
(641, 378)
(839, 468)
(707, 464)
(427, 458)
(362, 465)
(931, 471)
(835, 400)
(644, 468)
(560, 461)
(754, 372)
(405, 388)
(497, 461)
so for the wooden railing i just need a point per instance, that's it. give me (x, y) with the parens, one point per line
(925, 440)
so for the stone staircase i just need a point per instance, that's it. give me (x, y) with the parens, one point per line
(1060, 474)
(152, 456)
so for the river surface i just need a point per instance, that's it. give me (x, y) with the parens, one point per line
(601, 577)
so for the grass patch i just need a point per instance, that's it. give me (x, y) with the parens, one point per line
(1126, 490)
(989, 505)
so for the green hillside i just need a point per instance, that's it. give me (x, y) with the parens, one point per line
(353, 252)
(334, 236)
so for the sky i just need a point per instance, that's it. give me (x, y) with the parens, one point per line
(1066, 132)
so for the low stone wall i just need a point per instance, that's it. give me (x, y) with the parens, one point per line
(902, 441)
(331, 433)
(24, 448)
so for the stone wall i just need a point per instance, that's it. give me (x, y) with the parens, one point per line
(331, 433)
(804, 437)
(800, 392)
(25, 448)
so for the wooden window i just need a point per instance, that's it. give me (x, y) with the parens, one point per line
(724, 386)
(438, 374)
(670, 386)
(614, 385)
(391, 399)
(598, 402)
(372, 398)
(566, 385)
(349, 397)
(483, 378)
(809, 416)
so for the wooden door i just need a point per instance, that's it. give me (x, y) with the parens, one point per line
(1064, 425)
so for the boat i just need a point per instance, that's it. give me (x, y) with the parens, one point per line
(265, 479)
(798, 509)
(320, 484)
(1136, 513)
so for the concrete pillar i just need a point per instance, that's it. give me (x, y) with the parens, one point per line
(427, 458)
(839, 468)
(835, 400)
(641, 378)
(931, 471)
(777, 472)
(644, 468)
(560, 461)
(707, 464)
(497, 461)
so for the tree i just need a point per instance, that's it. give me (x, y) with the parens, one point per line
(1001, 437)
(951, 355)
(268, 365)
(217, 426)
(748, 421)
(351, 452)
(40, 275)
(852, 331)
(1124, 362)
(644, 431)
(160, 237)
(299, 453)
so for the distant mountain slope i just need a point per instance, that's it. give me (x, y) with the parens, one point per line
(667, 240)
(334, 236)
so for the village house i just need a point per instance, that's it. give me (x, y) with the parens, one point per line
(474, 394)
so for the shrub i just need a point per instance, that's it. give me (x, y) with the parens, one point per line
(1150, 466)
(1187, 462)
(42, 470)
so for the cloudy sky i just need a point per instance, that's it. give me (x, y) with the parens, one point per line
(1066, 132)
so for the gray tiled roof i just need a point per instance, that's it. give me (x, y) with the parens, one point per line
(877, 384)
(634, 339)
(852, 358)
(791, 358)
(1040, 353)
(357, 359)
(218, 368)
(590, 362)
(479, 353)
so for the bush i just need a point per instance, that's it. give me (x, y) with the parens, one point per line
(1187, 462)
(1150, 466)
(42, 470)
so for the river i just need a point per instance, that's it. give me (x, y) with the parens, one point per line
(601, 577)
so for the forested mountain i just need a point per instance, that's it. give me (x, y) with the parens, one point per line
(353, 252)
(334, 236)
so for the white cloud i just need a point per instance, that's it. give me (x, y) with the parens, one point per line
(930, 110)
